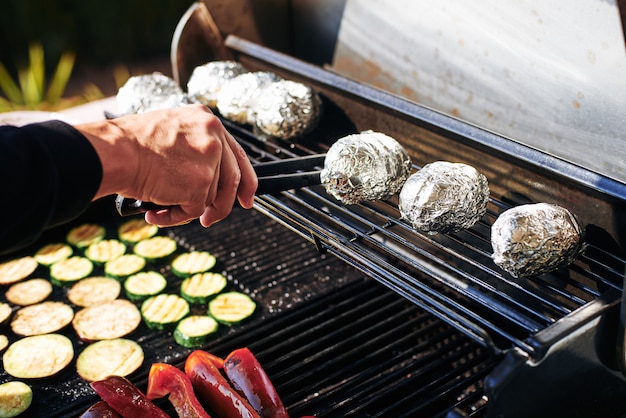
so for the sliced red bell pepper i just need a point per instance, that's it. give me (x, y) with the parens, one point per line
(213, 388)
(100, 409)
(126, 398)
(165, 379)
(248, 377)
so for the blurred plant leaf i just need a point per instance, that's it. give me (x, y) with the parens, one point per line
(61, 77)
(37, 69)
(9, 87)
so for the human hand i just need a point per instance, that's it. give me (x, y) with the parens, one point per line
(182, 158)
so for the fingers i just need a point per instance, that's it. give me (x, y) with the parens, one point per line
(174, 215)
(227, 184)
(248, 182)
(213, 178)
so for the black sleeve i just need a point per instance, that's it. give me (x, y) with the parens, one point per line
(50, 173)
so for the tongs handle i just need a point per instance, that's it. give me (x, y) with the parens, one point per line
(274, 177)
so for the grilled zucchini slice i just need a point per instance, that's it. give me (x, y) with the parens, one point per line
(105, 250)
(135, 230)
(94, 290)
(164, 311)
(51, 253)
(15, 398)
(200, 287)
(5, 313)
(13, 271)
(193, 262)
(116, 357)
(29, 292)
(38, 356)
(231, 307)
(195, 331)
(144, 284)
(156, 248)
(84, 235)
(106, 321)
(4, 342)
(124, 266)
(42, 318)
(67, 272)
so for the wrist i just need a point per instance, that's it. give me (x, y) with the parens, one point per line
(116, 153)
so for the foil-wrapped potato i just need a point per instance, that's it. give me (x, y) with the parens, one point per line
(444, 197)
(365, 166)
(207, 80)
(536, 238)
(238, 96)
(147, 92)
(287, 109)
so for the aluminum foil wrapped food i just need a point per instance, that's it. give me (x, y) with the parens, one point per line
(147, 92)
(365, 166)
(207, 80)
(238, 96)
(444, 197)
(536, 238)
(287, 109)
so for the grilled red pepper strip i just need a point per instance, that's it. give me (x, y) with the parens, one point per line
(214, 389)
(248, 377)
(165, 379)
(126, 398)
(100, 409)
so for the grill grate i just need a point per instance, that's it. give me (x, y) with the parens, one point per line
(451, 275)
(334, 343)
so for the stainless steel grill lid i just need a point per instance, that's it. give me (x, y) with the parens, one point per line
(535, 238)
(444, 197)
(147, 92)
(365, 166)
(207, 80)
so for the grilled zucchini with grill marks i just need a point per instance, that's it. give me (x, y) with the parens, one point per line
(67, 272)
(42, 318)
(200, 287)
(105, 250)
(144, 284)
(195, 331)
(38, 356)
(51, 253)
(17, 269)
(107, 320)
(193, 262)
(164, 311)
(231, 307)
(135, 230)
(84, 235)
(124, 266)
(116, 357)
(29, 292)
(94, 290)
(156, 248)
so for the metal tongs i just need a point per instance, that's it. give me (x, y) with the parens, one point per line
(274, 177)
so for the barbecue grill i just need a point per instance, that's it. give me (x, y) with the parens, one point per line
(359, 315)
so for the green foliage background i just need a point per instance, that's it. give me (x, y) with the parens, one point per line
(98, 32)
